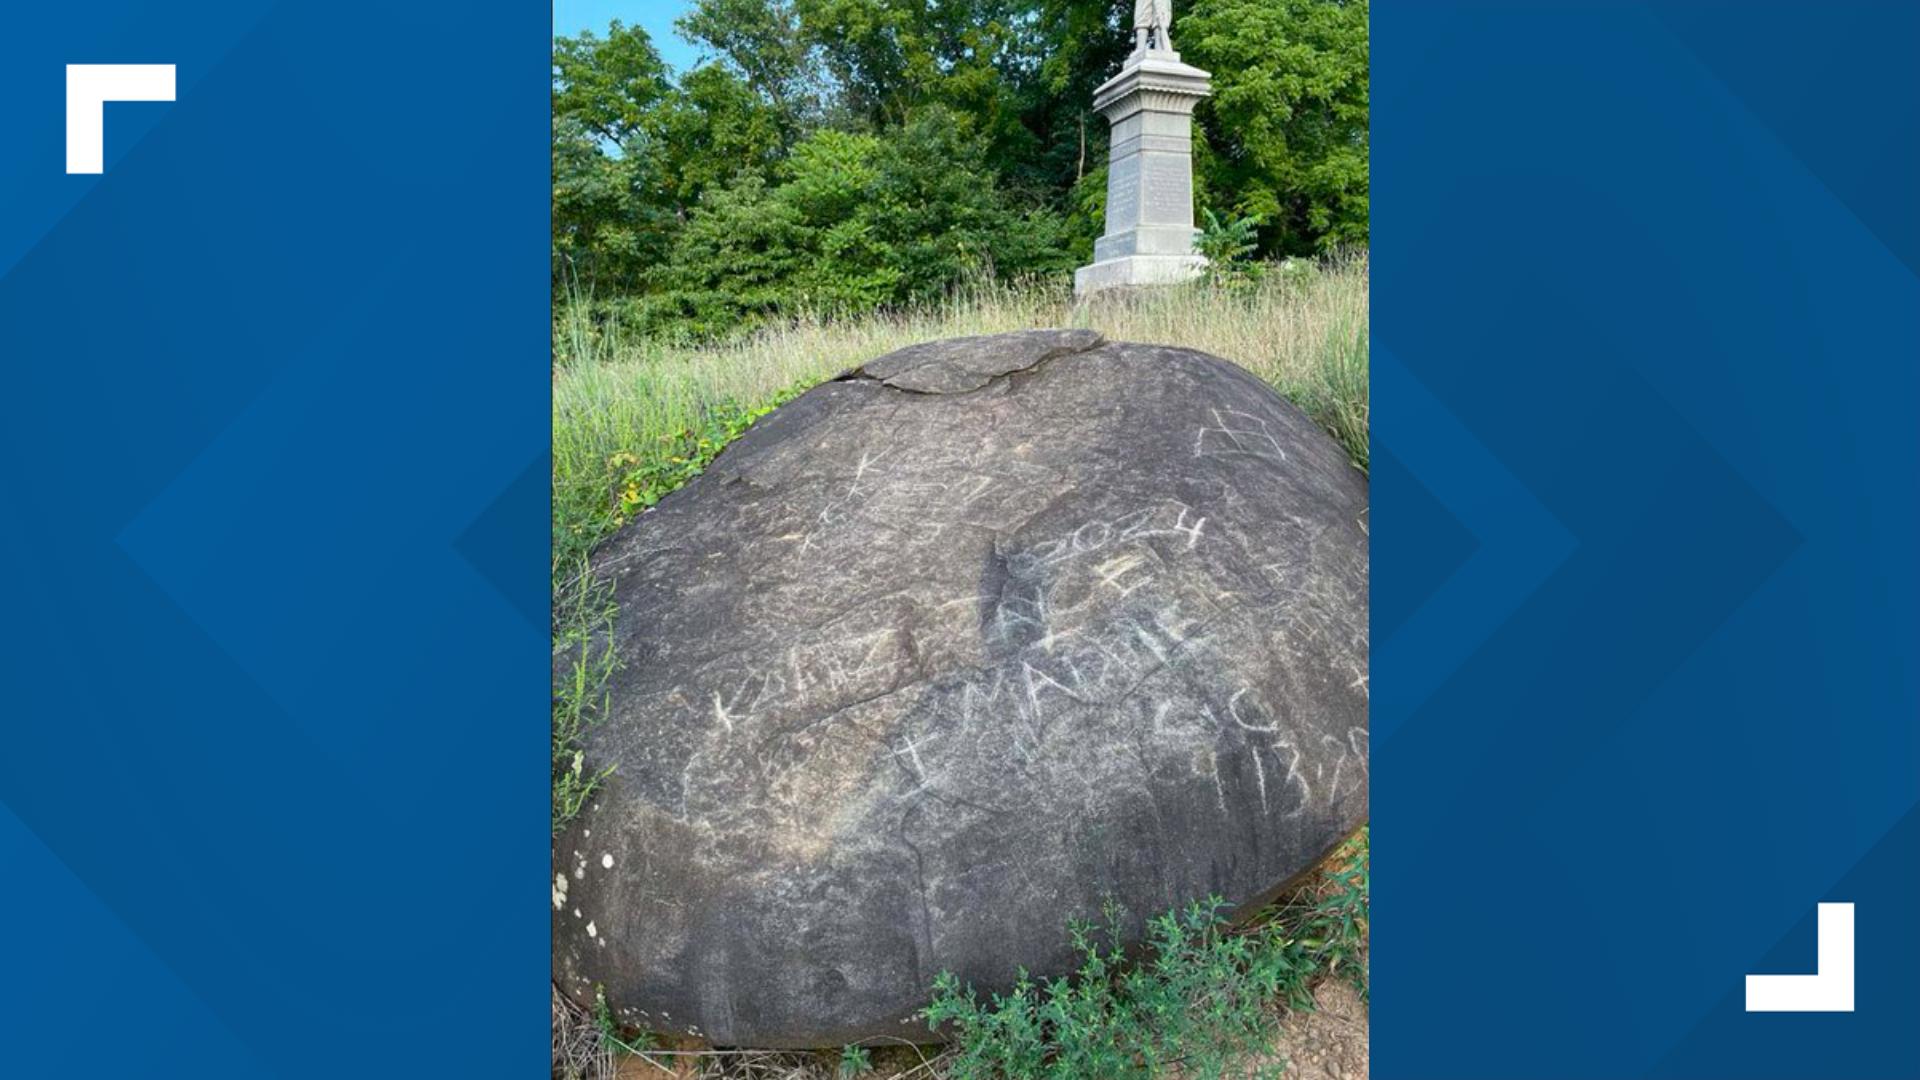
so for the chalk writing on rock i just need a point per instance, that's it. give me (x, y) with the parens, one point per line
(947, 650)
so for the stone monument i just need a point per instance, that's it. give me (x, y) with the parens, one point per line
(1149, 237)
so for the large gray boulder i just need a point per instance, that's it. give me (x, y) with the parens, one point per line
(947, 651)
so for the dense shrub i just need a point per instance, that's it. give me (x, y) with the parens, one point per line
(851, 222)
(1198, 1002)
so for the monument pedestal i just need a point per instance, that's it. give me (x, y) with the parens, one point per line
(1149, 237)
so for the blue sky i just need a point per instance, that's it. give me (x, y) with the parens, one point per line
(572, 16)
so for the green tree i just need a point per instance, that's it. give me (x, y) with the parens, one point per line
(603, 231)
(1286, 127)
(606, 228)
(715, 128)
(608, 85)
(734, 260)
(761, 41)
(1082, 43)
(944, 214)
(887, 58)
(854, 221)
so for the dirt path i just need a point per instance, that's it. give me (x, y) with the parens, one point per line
(1329, 1043)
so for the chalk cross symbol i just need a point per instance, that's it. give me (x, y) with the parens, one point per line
(913, 752)
(89, 88)
(1829, 988)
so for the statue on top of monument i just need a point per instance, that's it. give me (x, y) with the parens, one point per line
(1152, 19)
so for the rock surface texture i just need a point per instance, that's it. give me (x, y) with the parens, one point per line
(947, 651)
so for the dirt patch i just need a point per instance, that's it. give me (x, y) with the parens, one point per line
(1329, 1043)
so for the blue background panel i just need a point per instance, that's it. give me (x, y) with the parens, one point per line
(1646, 355)
(273, 689)
(273, 530)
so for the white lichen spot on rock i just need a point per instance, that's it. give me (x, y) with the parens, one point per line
(606, 861)
(592, 931)
(559, 891)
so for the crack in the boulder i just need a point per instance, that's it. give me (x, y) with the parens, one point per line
(895, 381)
(920, 879)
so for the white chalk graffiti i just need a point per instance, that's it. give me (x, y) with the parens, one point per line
(808, 674)
(1237, 433)
(1092, 640)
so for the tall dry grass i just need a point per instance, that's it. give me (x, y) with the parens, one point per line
(1301, 327)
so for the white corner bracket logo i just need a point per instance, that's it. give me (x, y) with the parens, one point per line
(89, 88)
(1829, 988)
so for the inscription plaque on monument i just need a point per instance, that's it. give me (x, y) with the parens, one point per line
(1149, 234)
(1123, 195)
